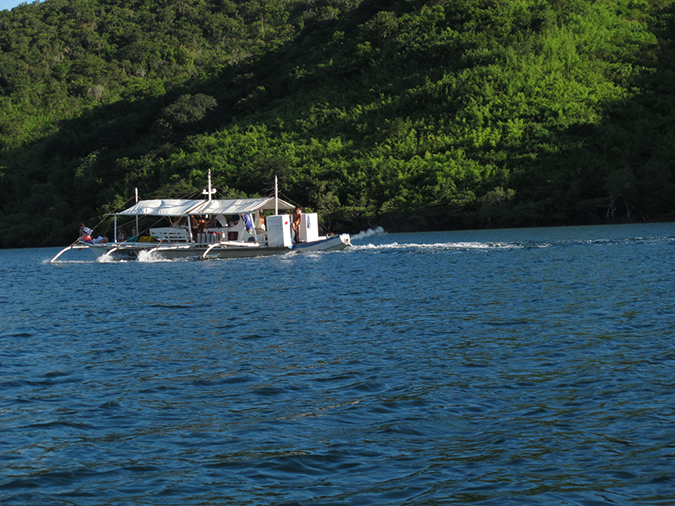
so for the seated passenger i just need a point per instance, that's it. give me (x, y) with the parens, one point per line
(85, 231)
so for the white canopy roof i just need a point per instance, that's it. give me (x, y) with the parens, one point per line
(175, 207)
(161, 207)
(240, 206)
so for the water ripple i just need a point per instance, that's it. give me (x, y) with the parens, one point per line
(500, 367)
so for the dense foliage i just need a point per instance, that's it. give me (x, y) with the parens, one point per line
(411, 113)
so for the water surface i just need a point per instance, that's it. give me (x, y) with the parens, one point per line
(492, 367)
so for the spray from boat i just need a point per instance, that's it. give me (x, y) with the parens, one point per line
(371, 232)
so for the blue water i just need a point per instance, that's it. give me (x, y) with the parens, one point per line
(531, 366)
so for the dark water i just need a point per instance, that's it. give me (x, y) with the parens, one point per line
(493, 367)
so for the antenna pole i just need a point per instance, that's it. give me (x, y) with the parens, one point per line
(138, 230)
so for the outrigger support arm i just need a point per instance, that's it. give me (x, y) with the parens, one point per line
(109, 253)
(208, 250)
(225, 244)
(67, 248)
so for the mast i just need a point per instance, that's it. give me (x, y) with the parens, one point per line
(276, 195)
(209, 191)
(138, 230)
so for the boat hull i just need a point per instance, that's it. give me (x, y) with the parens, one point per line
(333, 243)
(148, 251)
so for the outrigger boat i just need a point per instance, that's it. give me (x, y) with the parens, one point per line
(237, 228)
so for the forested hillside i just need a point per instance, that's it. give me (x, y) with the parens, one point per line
(410, 113)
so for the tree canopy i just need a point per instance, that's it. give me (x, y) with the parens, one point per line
(414, 113)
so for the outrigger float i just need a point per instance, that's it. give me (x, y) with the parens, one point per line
(237, 228)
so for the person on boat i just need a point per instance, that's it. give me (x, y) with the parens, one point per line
(86, 236)
(85, 230)
(248, 222)
(193, 227)
(198, 226)
(121, 235)
(85, 233)
(295, 224)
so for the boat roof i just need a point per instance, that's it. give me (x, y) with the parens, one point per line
(181, 207)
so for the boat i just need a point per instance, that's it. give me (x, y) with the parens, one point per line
(212, 228)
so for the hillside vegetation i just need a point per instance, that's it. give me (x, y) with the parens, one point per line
(410, 113)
